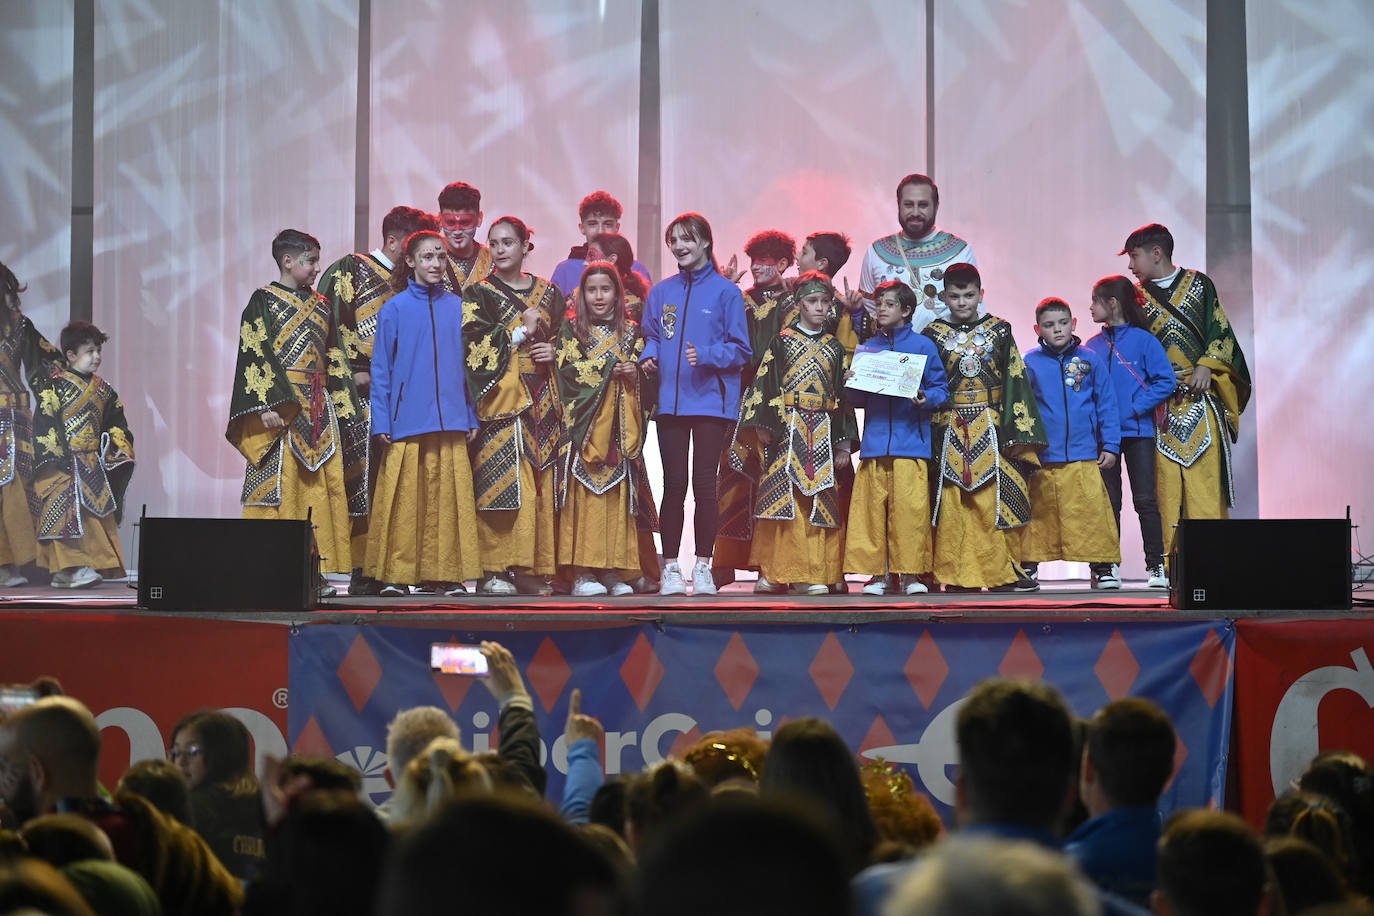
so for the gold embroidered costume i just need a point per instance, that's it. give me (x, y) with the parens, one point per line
(26, 360)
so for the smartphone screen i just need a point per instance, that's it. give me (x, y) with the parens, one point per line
(451, 658)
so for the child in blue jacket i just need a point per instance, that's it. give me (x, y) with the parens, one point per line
(696, 342)
(1071, 515)
(423, 528)
(1144, 379)
(889, 513)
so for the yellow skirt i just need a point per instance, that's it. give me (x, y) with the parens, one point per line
(98, 548)
(970, 550)
(522, 539)
(424, 522)
(18, 543)
(321, 492)
(1071, 516)
(796, 550)
(1191, 492)
(598, 532)
(889, 518)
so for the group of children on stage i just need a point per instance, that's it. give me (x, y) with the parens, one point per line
(448, 416)
(66, 453)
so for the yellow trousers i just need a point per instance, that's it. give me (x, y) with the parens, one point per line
(970, 550)
(796, 550)
(889, 518)
(98, 548)
(1191, 492)
(18, 544)
(1071, 516)
(598, 532)
(321, 492)
(522, 539)
(424, 521)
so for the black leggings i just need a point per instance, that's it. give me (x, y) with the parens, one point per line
(1138, 455)
(707, 436)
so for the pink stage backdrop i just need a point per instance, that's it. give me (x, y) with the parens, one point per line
(1312, 169)
(36, 168)
(1059, 126)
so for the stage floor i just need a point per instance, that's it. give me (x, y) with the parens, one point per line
(736, 603)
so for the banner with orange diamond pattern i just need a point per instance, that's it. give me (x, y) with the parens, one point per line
(892, 690)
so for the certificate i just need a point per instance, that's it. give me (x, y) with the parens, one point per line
(889, 372)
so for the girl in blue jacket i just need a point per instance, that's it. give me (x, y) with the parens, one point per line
(1144, 379)
(696, 342)
(424, 521)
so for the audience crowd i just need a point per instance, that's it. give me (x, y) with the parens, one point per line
(1053, 815)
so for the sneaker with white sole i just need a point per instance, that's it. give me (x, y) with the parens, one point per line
(394, 590)
(456, 590)
(911, 585)
(875, 586)
(81, 577)
(1158, 577)
(670, 583)
(586, 586)
(765, 587)
(496, 584)
(809, 588)
(615, 586)
(10, 576)
(1106, 576)
(703, 580)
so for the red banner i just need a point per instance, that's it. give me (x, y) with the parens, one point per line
(139, 675)
(1302, 687)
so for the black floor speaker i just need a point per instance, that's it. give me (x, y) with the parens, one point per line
(223, 564)
(1261, 564)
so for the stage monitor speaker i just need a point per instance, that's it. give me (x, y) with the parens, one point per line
(226, 564)
(1244, 564)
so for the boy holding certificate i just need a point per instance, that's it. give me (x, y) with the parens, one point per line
(1071, 515)
(888, 528)
(793, 409)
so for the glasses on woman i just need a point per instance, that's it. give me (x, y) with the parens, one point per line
(189, 752)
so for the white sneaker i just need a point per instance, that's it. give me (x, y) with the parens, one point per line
(1158, 578)
(76, 577)
(496, 584)
(912, 585)
(615, 586)
(10, 576)
(703, 583)
(1108, 578)
(585, 586)
(456, 590)
(806, 588)
(875, 586)
(670, 583)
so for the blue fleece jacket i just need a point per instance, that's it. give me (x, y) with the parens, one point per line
(704, 309)
(1141, 374)
(417, 365)
(1077, 402)
(895, 426)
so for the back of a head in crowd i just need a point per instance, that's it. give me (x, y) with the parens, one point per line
(736, 755)
(442, 771)
(523, 862)
(1210, 864)
(985, 876)
(657, 797)
(743, 856)
(411, 731)
(325, 856)
(1131, 748)
(226, 750)
(32, 885)
(161, 782)
(60, 839)
(323, 773)
(112, 889)
(808, 761)
(1016, 754)
(608, 803)
(1304, 875)
(1347, 779)
(59, 736)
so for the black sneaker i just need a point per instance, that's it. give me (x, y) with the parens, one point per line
(393, 590)
(967, 589)
(360, 585)
(1023, 584)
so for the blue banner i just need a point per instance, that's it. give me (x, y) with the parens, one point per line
(892, 690)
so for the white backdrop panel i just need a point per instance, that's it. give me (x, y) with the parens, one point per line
(36, 168)
(1312, 174)
(217, 125)
(536, 104)
(1060, 126)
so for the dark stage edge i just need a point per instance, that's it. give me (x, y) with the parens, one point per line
(736, 604)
